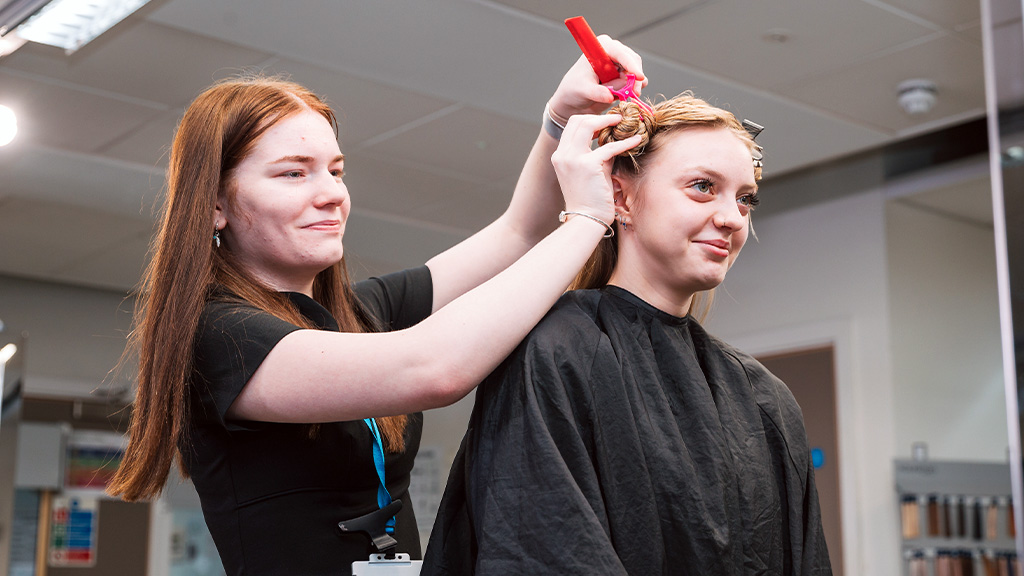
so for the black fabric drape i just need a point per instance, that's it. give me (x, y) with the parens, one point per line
(618, 439)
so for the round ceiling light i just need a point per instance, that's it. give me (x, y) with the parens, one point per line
(8, 125)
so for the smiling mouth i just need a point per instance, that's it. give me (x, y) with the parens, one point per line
(717, 247)
(324, 225)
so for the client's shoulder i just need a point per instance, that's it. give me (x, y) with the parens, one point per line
(569, 324)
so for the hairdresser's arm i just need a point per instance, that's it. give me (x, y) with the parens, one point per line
(317, 376)
(537, 200)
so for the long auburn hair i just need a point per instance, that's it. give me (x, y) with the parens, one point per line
(219, 129)
(671, 115)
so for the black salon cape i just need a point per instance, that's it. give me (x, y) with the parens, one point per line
(618, 439)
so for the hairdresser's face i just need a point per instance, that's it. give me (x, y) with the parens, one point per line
(688, 217)
(287, 217)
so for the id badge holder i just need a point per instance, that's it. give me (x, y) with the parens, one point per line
(381, 565)
(383, 562)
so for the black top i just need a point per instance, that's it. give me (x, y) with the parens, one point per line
(271, 495)
(618, 439)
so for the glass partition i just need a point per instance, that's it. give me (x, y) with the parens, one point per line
(1003, 42)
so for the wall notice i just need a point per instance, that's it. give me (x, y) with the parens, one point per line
(73, 528)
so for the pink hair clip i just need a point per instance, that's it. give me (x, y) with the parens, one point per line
(603, 65)
(626, 94)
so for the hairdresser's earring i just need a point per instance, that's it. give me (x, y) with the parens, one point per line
(216, 238)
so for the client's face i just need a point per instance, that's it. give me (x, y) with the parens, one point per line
(690, 218)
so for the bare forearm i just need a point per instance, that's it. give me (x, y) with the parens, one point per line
(531, 216)
(315, 376)
(514, 301)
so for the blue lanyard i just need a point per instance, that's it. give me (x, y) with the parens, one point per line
(383, 497)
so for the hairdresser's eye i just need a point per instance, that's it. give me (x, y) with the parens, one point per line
(703, 186)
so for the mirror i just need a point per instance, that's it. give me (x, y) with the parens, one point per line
(1004, 60)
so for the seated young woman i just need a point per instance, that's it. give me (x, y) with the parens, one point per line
(620, 437)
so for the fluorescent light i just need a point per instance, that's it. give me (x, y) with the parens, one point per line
(10, 43)
(8, 125)
(7, 352)
(71, 24)
(14, 12)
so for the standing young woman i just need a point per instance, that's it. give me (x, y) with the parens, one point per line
(258, 361)
(620, 437)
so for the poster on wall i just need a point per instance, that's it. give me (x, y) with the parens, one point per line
(92, 458)
(24, 530)
(73, 527)
(426, 486)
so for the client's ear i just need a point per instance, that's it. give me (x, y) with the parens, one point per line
(623, 195)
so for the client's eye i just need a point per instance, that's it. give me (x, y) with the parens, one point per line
(702, 186)
(749, 200)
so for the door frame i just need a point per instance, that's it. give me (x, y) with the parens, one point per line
(839, 335)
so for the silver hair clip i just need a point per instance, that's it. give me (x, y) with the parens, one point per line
(751, 128)
(754, 130)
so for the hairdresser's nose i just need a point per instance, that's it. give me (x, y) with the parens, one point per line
(330, 190)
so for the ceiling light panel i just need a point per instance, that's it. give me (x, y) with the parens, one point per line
(71, 24)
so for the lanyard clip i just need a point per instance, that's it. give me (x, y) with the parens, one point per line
(373, 526)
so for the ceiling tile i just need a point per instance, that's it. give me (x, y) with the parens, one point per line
(399, 242)
(43, 239)
(468, 210)
(452, 49)
(727, 38)
(867, 91)
(66, 118)
(118, 266)
(604, 17)
(365, 108)
(380, 185)
(95, 124)
(1006, 12)
(1007, 39)
(946, 13)
(970, 200)
(148, 144)
(141, 59)
(80, 180)
(970, 31)
(467, 142)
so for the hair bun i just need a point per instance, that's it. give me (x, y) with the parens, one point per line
(633, 122)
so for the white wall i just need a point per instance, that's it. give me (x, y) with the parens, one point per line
(818, 275)
(944, 317)
(74, 336)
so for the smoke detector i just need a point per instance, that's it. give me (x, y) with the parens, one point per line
(917, 96)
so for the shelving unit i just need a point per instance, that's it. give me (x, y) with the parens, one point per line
(956, 518)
